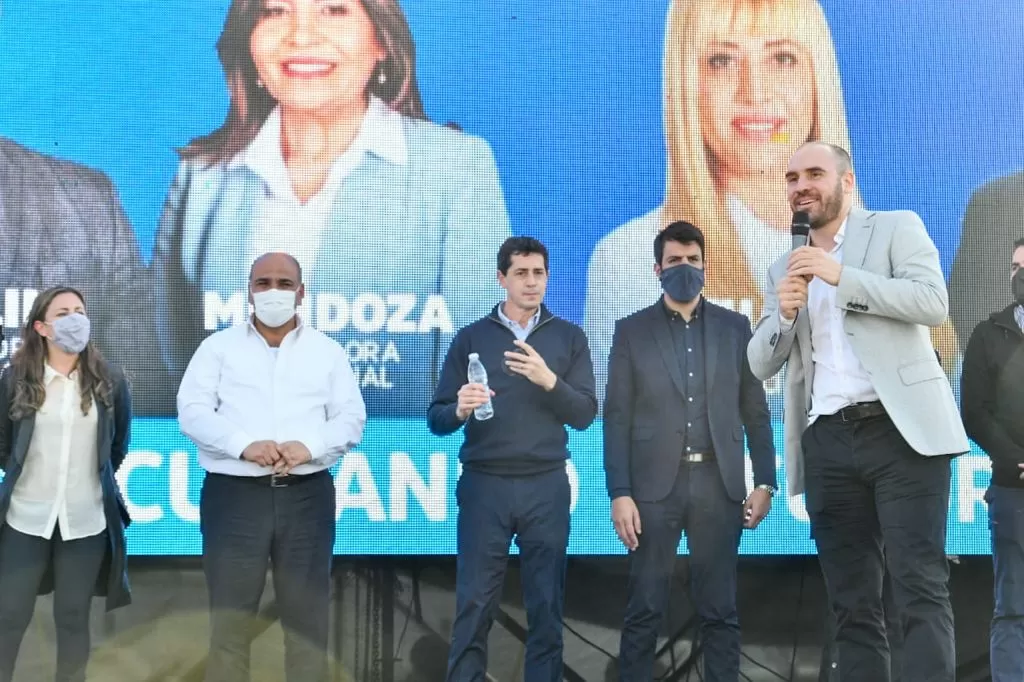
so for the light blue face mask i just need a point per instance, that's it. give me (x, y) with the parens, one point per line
(71, 332)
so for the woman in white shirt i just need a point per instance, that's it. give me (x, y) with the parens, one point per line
(65, 416)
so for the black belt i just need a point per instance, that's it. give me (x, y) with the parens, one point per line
(698, 457)
(276, 481)
(858, 411)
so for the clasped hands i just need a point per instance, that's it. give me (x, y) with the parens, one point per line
(805, 263)
(282, 456)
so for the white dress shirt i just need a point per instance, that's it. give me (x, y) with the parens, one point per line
(284, 223)
(60, 482)
(840, 379)
(519, 330)
(238, 390)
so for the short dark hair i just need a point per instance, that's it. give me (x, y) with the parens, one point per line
(293, 259)
(679, 231)
(1017, 244)
(843, 161)
(519, 246)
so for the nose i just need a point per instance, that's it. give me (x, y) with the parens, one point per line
(755, 82)
(303, 26)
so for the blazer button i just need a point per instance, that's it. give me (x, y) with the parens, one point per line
(771, 341)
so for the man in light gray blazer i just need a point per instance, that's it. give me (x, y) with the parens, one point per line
(870, 418)
(62, 224)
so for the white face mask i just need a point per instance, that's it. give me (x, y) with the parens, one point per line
(274, 307)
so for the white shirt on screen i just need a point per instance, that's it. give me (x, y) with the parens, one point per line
(60, 483)
(762, 243)
(238, 390)
(284, 222)
(839, 377)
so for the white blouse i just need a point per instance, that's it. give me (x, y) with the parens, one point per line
(60, 481)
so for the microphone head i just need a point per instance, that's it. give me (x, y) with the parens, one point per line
(801, 223)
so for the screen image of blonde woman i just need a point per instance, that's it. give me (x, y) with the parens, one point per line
(746, 82)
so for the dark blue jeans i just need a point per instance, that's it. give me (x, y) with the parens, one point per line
(493, 509)
(245, 527)
(1006, 521)
(76, 566)
(700, 505)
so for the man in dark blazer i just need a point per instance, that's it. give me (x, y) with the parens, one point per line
(680, 397)
(977, 284)
(62, 224)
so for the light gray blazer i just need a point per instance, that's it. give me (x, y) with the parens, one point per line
(892, 290)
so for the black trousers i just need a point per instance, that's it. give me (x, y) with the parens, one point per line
(873, 501)
(76, 566)
(245, 527)
(700, 505)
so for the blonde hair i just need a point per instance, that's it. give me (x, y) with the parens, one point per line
(691, 193)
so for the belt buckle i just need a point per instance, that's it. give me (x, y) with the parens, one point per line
(278, 481)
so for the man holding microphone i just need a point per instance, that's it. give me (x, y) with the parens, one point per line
(870, 418)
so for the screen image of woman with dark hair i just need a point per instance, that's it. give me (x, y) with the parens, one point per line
(326, 154)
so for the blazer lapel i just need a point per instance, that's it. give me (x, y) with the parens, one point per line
(663, 337)
(859, 228)
(711, 338)
(103, 434)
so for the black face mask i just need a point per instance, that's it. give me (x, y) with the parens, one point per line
(1017, 286)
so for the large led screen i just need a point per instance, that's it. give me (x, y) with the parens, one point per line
(588, 125)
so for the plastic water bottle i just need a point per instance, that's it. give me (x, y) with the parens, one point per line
(478, 375)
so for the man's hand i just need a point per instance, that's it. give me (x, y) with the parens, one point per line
(757, 506)
(792, 293)
(626, 518)
(531, 366)
(293, 453)
(471, 396)
(1021, 467)
(810, 261)
(262, 452)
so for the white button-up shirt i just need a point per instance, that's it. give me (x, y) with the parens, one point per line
(283, 222)
(60, 482)
(839, 377)
(238, 390)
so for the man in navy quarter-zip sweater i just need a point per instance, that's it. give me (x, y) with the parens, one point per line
(514, 482)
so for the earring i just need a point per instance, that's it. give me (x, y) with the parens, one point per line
(382, 77)
(259, 83)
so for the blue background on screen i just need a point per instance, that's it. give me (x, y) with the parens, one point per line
(569, 97)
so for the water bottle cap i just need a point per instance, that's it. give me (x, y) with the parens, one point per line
(474, 356)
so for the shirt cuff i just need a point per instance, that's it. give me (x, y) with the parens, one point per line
(784, 324)
(237, 444)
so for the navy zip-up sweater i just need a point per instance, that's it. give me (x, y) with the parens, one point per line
(526, 435)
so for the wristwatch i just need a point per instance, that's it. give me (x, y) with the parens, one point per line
(764, 486)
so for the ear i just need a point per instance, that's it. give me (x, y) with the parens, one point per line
(39, 326)
(848, 181)
(300, 294)
(657, 270)
(502, 281)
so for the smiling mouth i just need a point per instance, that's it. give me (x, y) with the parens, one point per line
(805, 202)
(307, 68)
(758, 128)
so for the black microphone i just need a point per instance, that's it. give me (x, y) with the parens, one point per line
(801, 229)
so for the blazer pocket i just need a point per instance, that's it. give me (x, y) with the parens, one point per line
(920, 370)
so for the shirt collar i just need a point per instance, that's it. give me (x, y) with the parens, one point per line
(698, 312)
(381, 133)
(299, 326)
(509, 321)
(841, 234)
(49, 374)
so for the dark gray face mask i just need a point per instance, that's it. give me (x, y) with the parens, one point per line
(71, 332)
(1017, 286)
(683, 282)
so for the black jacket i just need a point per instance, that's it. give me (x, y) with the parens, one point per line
(643, 437)
(992, 394)
(113, 434)
(527, 433)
